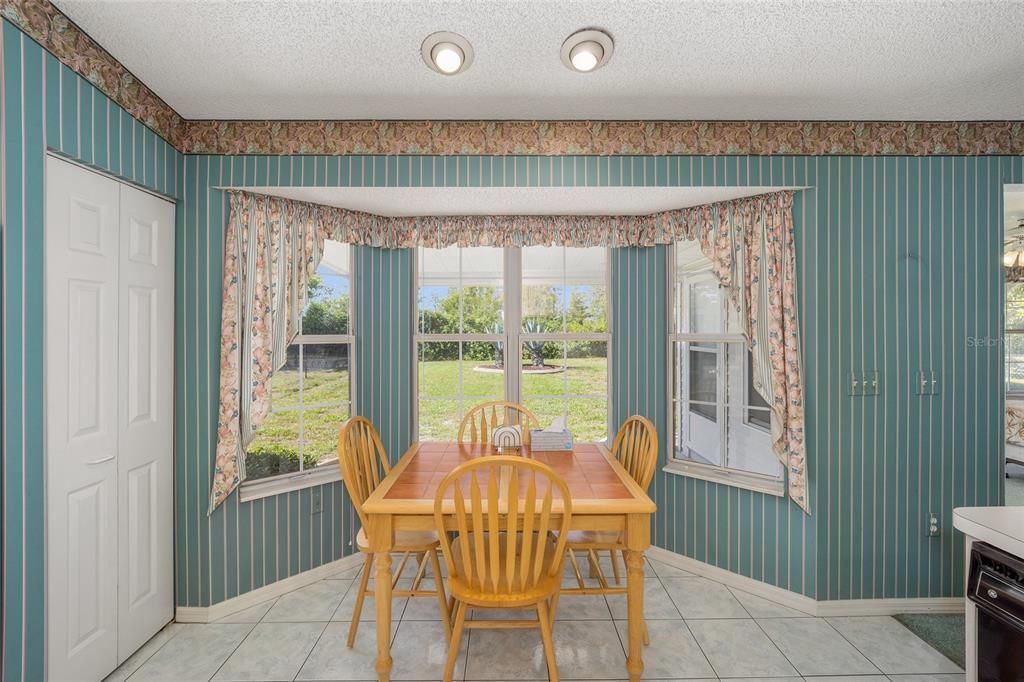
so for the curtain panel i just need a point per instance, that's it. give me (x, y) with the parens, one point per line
(273, 245)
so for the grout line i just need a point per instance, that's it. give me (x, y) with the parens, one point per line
(778, 648)
(252, 626)
(310, 652)
(856, 648)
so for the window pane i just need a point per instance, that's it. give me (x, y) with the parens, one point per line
(749, 445)
(572, 381)
(320, 434)
(1015, 305)
(702, 375)
(328, 293)
(275, 449)
(284, 384)
(705, 304)
(483, 370)
(438, 368)
(482, 307)
(1014, 344)
(699, 437)
(325, 376)
(564, 289)
(439, 419)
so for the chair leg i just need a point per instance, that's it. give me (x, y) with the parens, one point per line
(615, 566)
(453, 645)
(544, 617)
(554, 608)
(442, 601)
(364, 580)
(421, 560)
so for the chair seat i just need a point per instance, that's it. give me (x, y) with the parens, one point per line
(405, 541)
(598, 539)
(509, 595)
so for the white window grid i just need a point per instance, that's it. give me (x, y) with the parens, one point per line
(303, 340)
(718, 344)
(512, 337)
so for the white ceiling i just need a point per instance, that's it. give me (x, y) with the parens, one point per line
(690, 59)
(411, 201)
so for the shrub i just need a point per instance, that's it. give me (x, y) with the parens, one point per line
(271, 460)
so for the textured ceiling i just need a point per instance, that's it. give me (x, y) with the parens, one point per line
(689, 59)
(411, 201)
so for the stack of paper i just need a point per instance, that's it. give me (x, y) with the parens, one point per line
(554, 438)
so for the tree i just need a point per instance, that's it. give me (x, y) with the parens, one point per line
(326, 312)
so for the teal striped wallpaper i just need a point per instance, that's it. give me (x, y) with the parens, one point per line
(44, 106)
(898, 269)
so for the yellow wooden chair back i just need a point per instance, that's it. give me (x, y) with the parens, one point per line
(636, 449)
(482, 419)
(362, 460)
(505, 510)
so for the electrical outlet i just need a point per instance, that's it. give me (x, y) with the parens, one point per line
(933, 524)
(316, 502)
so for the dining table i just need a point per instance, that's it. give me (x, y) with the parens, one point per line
(604, 498)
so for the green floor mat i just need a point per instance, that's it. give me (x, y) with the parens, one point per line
(944, 632)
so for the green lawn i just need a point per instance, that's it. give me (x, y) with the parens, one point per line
(275, 449)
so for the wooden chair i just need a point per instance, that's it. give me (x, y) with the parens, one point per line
(364, 464)
(636, 449)
(482, 419)
(504, 556)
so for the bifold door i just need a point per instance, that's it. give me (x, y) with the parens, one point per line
(109, 358)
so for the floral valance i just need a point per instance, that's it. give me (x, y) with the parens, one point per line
(273, 245)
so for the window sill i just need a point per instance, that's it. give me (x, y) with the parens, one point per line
(739, 479)
(276, 485)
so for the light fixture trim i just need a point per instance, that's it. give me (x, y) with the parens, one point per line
(435, 43)
(577, 44)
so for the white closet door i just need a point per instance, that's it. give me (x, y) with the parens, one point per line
(81, 421)
(145, 414)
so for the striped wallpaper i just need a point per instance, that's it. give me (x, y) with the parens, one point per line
(45, 106)
(899, 271)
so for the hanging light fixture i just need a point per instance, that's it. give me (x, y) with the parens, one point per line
(587, 50)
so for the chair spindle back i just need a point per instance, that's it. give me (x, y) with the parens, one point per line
(505, 509)
(482, 419)
(636, 449)
(362, 460)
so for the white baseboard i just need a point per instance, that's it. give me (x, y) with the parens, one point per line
(799, 602)
(812, 607)
(209, 614)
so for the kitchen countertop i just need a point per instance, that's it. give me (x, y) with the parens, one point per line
(1001, 527)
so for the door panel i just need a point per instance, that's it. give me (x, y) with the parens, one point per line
(81, 421)
(146, 299)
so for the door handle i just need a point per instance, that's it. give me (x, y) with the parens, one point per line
(100, 461)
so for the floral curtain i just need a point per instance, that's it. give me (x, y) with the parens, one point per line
(273, 245)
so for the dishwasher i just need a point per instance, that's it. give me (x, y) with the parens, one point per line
(996, 586)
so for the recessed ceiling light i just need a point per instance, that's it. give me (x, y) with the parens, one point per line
(587, 50)
(447, 53)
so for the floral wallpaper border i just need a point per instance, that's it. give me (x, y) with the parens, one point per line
(46, 24)
(603, 138)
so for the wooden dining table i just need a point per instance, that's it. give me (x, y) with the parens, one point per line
(604, 497)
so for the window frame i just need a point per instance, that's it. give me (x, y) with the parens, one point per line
(513, 337)
(716, 473)
(1009, 331)
(329, 471)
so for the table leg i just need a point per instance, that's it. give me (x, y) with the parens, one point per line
(635, 610)
(382, 597)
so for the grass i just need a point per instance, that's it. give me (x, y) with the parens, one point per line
(439, 415)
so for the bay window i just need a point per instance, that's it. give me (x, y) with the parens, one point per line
(311, 394)
(528, 325)
(721, 424)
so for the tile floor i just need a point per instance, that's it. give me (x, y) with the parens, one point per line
(700, 630)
